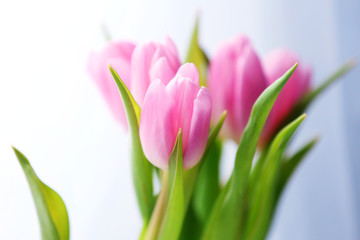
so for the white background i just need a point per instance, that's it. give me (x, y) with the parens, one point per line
(52, 112)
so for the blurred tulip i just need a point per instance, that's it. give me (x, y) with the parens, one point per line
(275, 64)
(137, 66)
(181, 104)
(152, 61)
(236, 80)
(118, 55)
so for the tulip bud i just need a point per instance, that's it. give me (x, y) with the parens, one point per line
(118, 55)
(275, 64)
(152, 61)
(181, 104)
(236, 80)
(137, 67)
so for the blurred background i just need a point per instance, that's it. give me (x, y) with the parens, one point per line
(51, 110)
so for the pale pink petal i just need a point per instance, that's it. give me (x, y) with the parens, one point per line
(169, 44)
(112, 94)
(276, 63)
(249, 84)
(118, 55)
(156, 125)
(162, 70)
(189, 70)
(119, 48)
(140, 68)
(173, 54)
(221, 81)
(199, 129)
(236, 80)
(184, 91)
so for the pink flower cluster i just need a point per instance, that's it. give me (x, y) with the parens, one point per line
(238, 76)
(171, 99)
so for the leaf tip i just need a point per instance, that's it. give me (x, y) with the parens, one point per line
(179, 135)
(292, 69)
(17, 152)
(301, 117)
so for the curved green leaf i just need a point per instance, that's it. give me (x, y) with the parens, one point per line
(141, 168)
(197, 56)
(207, 185)
(51, 210)
(309, 98)
(260, 214)
(226, 216)
(288, 166)
(175, 211)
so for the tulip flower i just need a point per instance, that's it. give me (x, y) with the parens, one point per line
(181, 104)
(118, 55)
(236, 80)
(152, 61)
(275, 64)
(137, 66)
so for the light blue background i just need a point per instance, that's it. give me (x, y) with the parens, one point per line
(52, 111)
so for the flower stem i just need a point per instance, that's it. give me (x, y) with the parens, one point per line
(159, 210)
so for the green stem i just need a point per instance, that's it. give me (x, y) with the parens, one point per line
(159, 210)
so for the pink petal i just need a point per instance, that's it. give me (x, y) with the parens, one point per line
(189, 70)
(184, 91)
(236, 80)
(173, 55)
(169, 44)
(276, 63)
(118, 55)
(162, 70)
(249, 84)
(221, 80)
(199, 129)
(156, 125)
(140, 67)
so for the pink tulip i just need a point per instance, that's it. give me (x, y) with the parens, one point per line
(236, 80)
(152, 61)
(181, 104)
(118, 55)
(275, 64)
(137, 66)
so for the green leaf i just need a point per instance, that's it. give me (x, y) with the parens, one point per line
(189, 181)
(190, 175)
(288, 166)
(207, 185)
(309, 98)
(51, 210)
(225, 219)
(254, 180)
(260, 214)
(175, 211)
(141, 168)
(192, 226)
(197, 56)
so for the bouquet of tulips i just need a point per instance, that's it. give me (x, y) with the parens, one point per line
(179, 115)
